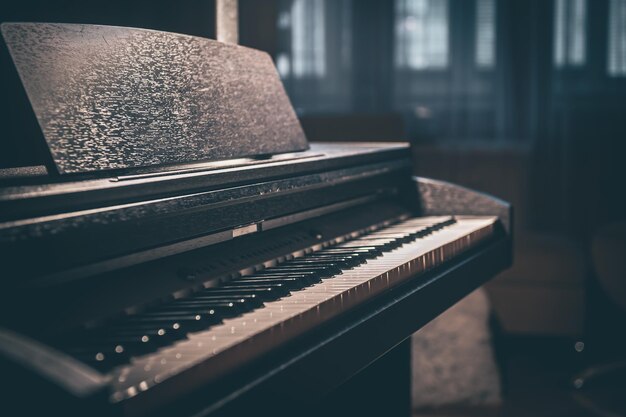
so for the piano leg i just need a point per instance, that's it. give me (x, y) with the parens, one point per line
(381, 389)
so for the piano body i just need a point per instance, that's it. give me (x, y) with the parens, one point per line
(185, 251)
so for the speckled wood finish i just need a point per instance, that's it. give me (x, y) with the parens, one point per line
(112, 97)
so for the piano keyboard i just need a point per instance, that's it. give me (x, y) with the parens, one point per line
(219, 328)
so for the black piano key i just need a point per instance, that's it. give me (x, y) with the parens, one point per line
(329, 272)
(259, 292)
(323, 270)
(360, 250)
(293, 272)
(290, 273)
(250, 300)
(209, 311)
(140, 321)
(291, 283)
(278, 278)
(404, 234)
(283, 271)
(355, 250)
(390, 232)
(398, 237)
(159, 315)
(382, 243)
(287, 266)
(412, 235)
(133, 345)
(242, 303)
(443, 224)
(264, 293)
(309, 267)
(159, 330)
(344, 261)
(280, 287)
(177, 329)
(277, 286)
(308, 261)
(98, 360)
(364, 253)
(103, 357)
(190, 320)
(366, 242)
(305, 279)
(330, 252)
(156, 335)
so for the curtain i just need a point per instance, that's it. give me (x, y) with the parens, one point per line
(314, 53)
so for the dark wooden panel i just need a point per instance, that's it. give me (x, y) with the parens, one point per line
(437, 198)
(113, 98)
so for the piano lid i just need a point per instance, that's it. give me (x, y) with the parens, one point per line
(117, 98)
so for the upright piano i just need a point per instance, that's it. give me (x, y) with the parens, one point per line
(184, 251)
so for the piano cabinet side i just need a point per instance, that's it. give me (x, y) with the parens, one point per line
(435, 198)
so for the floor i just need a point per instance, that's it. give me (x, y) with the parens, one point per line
(537, 377)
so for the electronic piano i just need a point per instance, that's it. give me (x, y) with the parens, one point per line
(184, 251)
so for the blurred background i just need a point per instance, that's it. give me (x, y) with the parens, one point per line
(524, 99)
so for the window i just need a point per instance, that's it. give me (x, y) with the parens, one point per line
(421, 34)
(314, 53)
(485, 46)
(617, 38)
(305, 23)
(569, 33)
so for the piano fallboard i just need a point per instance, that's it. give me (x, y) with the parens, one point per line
(132, 215)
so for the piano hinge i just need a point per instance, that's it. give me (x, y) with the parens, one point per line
(246, 230)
